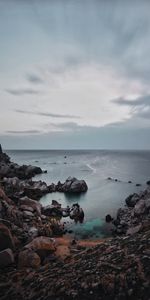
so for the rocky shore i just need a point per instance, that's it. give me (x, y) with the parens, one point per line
(35, 263)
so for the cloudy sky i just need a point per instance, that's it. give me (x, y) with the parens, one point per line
(75, 74)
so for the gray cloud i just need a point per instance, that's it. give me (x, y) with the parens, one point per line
(143, 100)
(23, 132)
(33, 78)
(22, 91)
(52, 115)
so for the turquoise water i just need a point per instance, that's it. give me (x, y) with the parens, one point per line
(94, 166)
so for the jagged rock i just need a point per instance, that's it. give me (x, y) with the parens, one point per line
(28, 214)
(31, 203)
(6, 239)
(72, 185)
(33, 232)
(132, 200)
(133, 230)
(6, 258)
(77, 213)
(139, 208)
(36, 190)
(28, 259)
(108, 218)
(42, 246)
(27, 208)
(51, 210)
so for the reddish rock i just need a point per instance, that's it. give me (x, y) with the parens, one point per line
(29, 259)
(42, 245)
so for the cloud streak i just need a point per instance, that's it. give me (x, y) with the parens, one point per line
(143, 100)
(28, 132)
(22, 91)
(44, 114)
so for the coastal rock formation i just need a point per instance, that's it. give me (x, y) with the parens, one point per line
(10, 169)
(72, 185)
(135, 216)
(35, 264)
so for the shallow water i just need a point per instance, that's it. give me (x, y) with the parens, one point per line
(94, 166)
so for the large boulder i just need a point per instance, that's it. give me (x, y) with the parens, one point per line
(6, 258)
(42, 245)
(72, 185)
(51, 210)
(6, 239)
(77, 213)
(28, 259)
(36, 190)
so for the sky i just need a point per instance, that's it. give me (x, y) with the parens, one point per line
(75, 74)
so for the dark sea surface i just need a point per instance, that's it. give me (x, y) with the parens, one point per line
(94, 166)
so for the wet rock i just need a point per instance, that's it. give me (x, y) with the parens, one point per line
(138, 184)
(72, 185)
(51, 210)
(28, 259)
(108, 218)
(6, 239)
(77, 213)
(6, 258)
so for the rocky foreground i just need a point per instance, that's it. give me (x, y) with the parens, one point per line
(35, 263)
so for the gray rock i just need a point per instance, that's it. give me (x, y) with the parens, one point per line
(140, 208)
(132, 200)
(133, 230)
(28, 214)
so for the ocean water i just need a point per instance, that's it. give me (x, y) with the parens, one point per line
(94, 166)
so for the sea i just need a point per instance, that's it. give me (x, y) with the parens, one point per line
(94, 166)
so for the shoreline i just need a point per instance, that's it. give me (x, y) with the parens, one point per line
(38, 262)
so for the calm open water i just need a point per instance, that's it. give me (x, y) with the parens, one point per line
(94, 166)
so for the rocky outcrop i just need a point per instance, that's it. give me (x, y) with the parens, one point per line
(72, 185)
(10, 169)
(135, 216)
